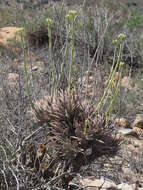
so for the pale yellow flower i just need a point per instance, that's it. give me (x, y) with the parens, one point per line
(114, 41)
(73, 12)
(122, 64)
(20, 30)
(68, 16)
(48, 20)
(121, 36)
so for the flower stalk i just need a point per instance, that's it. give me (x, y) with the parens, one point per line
(49, 21)
(21, 31)
(72, 14)
(112, 72)
(109, 109)
(66, 48)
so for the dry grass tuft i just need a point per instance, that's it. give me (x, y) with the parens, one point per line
(67, 143)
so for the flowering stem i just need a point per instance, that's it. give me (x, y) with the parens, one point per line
(51, 54)
(110, 80)
(113, 64)
(109, 109)
(71, 58)
(65, 52)
(25, 71)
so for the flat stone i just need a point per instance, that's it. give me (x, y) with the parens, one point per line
(97, 183)
(131, 147)
(127, 82)
(38, 66)
(7, 33)
(137, 143)
(127, 171)
(13, 79)
(127, 131)
(138, 131)
(138, 121)
(35, 68)
(124, 186)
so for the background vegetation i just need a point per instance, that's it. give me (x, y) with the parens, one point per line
(49, 150)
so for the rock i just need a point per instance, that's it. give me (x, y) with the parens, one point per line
(131, 147)
(137, 143)
(123, 122)
(127, 171)
(7, 33)
(127, 131)
(35, 68)
(124, 186)
(138, 123)
(127, 82)
(12, 79)
(102, 183)
(138, 131)
(39, 65)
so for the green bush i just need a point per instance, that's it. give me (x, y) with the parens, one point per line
(136, 19)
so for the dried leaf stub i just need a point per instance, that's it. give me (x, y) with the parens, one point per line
(31, 155)
(41, 151)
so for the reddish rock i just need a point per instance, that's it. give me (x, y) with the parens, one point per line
(123, 122)
(125, 186)
(12, 79)
(7, 33)
(138, 123)
(138, 131)
(97, 183)
(127, 82)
